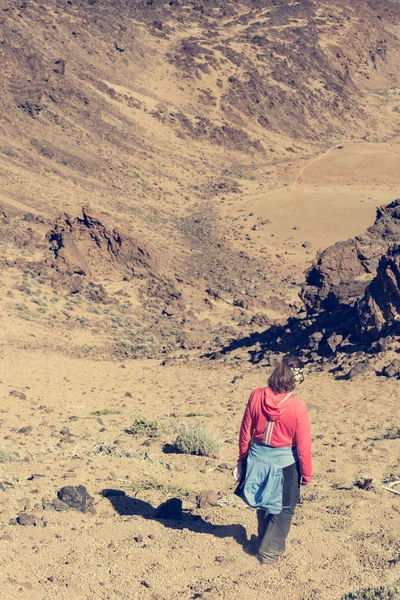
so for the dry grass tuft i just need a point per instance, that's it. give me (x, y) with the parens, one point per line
(197, 440)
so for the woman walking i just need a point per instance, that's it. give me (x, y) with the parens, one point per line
(274, 456)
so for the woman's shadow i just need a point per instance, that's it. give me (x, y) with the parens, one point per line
(127, 506)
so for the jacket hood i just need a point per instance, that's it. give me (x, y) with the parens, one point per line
(272, 405)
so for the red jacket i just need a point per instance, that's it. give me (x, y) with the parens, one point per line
(277, 420)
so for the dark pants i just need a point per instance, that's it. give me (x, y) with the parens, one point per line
(272, 533)
(273, 529)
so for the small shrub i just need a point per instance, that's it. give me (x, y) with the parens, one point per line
(25, 316)
(144, 427)
(125, 343)
(197, 440)
(21, 306)
(38, 301)
(84, 321)
(105, 411)
(193, 414)
(392, 433)
(385, 592)
(7, 456)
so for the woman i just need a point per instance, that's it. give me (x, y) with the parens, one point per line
(274, 456)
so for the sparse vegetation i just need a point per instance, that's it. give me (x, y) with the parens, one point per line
(136, 487)
(152, 429)
(7, 456)
(124, 343)
(24, 315)
(386, 592)
(392, 433)
(197, 440)
(193, 414)
(105, 411)
(105, 449)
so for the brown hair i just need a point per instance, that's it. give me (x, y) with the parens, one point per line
(282, 377)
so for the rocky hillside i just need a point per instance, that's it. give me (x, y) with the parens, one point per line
(341, 273)
(352, 306)
(153, 115)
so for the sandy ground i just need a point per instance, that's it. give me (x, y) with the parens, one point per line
(343, 538)
(330, 197)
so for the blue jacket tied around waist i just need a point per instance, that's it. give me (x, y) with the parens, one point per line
(263, 483)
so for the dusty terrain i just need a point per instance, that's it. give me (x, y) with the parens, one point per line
(343, 538)
(187, 191)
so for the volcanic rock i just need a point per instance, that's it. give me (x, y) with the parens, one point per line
(76, 497)
(92, 244)
(393, 369)
(26, 520)
(171, 509)
(341, 273)
(207, 498)
(19, 395)
(359, 369)
(379, 310)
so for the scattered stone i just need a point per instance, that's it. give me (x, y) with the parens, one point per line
(364, 483)
(26, 520)
(237, 378)
(380, 345)
(76, 497)
(19, 395)
(59, 505)
(171, 509)
(138, 538)
(65, 431)
(25, 430)
(393, 369)
(334, 341)
(207, 498)
(145, 584)
(358, 369)
(24, 504)
(35, 476)
(307, 245)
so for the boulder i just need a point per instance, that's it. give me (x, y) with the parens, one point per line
(393, 369)
(379, 309)
(171, 509)
(207, 499)
(26, 520)
(76, 497)
(360, 368)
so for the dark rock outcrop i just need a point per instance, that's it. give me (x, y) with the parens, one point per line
(393, 369)
(341, 273)
(379, 310)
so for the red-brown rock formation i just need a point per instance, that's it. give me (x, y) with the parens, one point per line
(93, 245)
